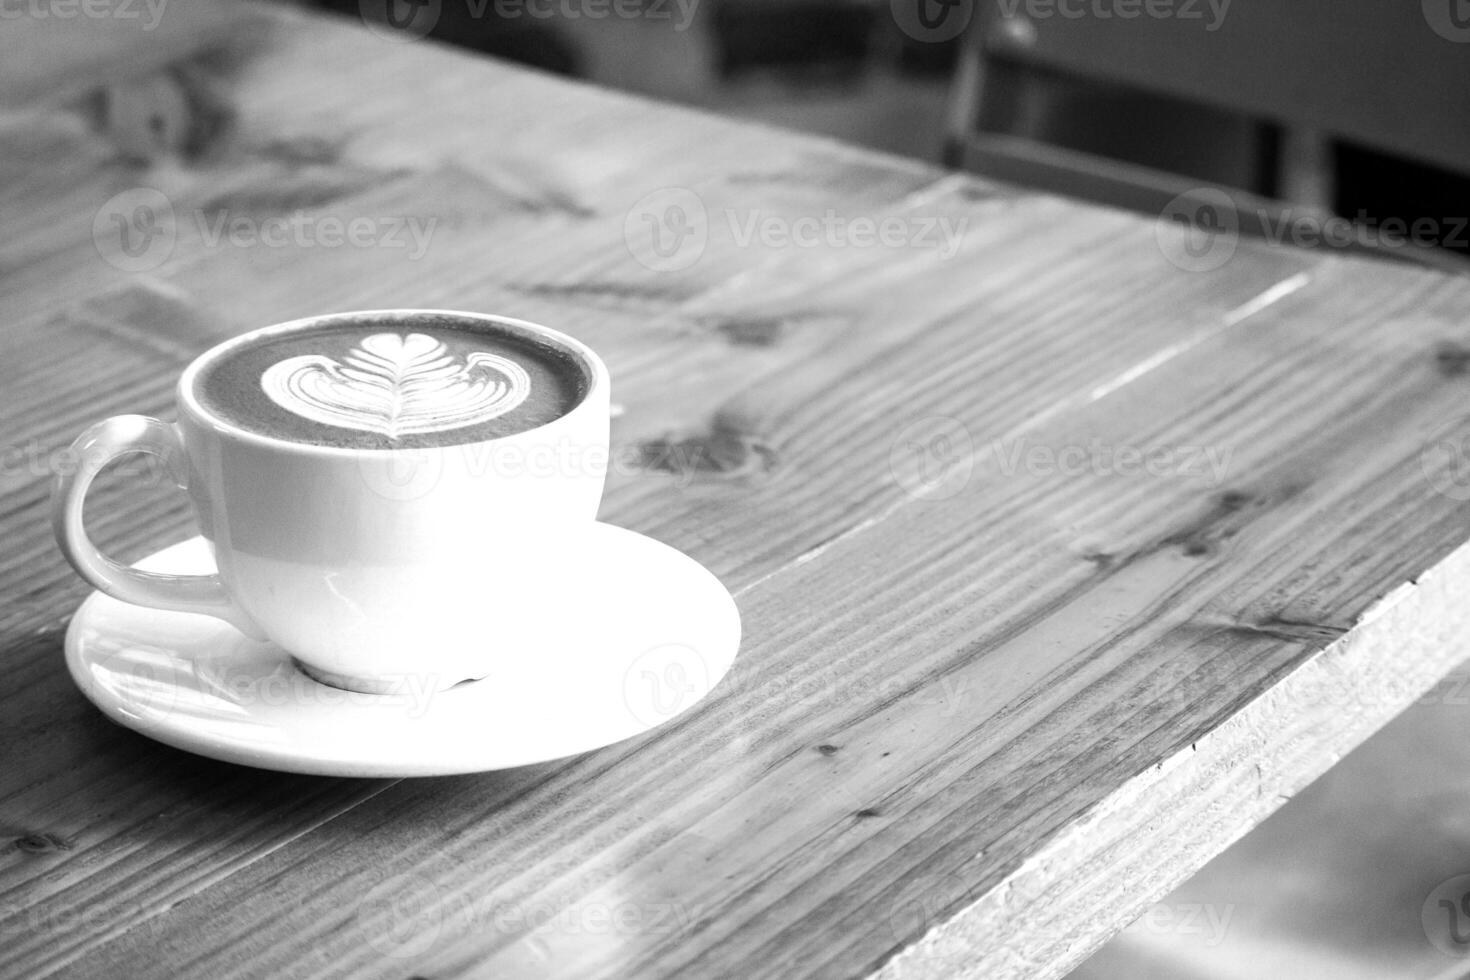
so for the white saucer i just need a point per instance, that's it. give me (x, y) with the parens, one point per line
(634, 634)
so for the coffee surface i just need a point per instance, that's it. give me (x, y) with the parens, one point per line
(391, 385)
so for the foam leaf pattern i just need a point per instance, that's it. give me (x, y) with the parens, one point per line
(397, 385)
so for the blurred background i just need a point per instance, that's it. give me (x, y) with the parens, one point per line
(843, 69)
(1352, 110)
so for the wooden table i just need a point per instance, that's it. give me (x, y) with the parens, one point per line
(1061, 565)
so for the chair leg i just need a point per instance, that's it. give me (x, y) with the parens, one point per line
(962, 112)
(1306, 173)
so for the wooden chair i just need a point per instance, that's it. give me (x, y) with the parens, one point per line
(1389, 76)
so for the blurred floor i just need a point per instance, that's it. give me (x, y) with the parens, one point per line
(1344, 882)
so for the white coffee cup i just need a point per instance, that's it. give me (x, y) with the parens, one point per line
(374, 568)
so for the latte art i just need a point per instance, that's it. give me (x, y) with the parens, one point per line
(398, 385)
(369, 381)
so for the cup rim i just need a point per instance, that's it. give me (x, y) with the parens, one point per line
(586, 358)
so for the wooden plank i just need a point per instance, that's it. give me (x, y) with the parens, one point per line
(946, 706)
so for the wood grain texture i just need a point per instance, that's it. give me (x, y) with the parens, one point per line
(976, 721)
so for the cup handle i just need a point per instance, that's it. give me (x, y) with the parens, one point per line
(94, 449)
